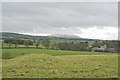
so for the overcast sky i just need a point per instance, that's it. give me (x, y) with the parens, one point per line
(88, 20)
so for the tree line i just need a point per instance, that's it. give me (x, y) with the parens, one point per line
(27, 42)
(17, 42)
(74, 46)
(65, 45)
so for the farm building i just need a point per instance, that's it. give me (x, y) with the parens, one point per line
(102, 49)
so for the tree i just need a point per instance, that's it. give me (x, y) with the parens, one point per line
(16, 43)
(46, 43)
(37, 42)
(9, 44)
(97, 43)
(27, 43)
(2, 44)
(54, 45)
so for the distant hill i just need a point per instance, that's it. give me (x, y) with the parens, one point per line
(66, 36)
(23, 36)
(51, 37)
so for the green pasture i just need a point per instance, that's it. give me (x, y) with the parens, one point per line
(44, 63)
(22, 51)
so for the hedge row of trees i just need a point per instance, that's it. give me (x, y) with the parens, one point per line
(78, 46)
(46, 43)
(17, 42)
(27, 43)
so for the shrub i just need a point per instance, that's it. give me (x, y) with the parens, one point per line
(23, 54)
(7, 56)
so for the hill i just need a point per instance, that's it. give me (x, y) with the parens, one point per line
(51, 37)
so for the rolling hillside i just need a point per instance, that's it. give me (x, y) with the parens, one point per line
(51, 37)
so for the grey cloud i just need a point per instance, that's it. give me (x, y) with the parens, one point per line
(51, 17)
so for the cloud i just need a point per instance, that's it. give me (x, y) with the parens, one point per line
(104, 33)
(58, 17)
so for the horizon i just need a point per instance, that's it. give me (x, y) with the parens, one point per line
(56, 35)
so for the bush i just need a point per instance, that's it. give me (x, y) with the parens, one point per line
(7, 56)
(23, 54)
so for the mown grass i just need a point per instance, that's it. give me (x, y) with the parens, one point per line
(42, 63)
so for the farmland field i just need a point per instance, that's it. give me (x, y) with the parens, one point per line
(44, 63)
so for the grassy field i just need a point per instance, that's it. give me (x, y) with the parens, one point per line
(43, 63)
